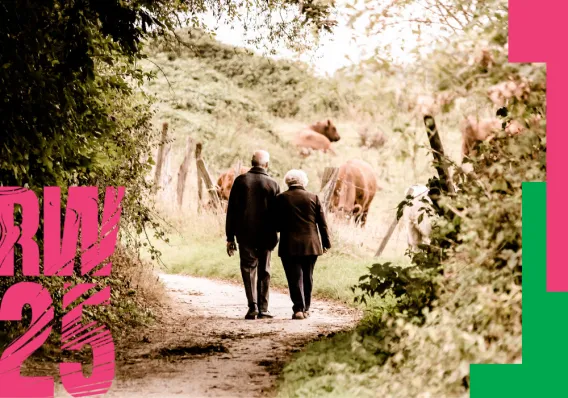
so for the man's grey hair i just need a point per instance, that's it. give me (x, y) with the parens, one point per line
(260, 158)
(296, 177)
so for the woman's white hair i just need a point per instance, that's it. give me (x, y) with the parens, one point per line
(296, 177)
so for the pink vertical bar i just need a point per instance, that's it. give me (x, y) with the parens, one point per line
(537, 33)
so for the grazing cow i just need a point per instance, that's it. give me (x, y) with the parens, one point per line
(474, 131)
(327, 129)
(418, 231)
(317, 137)
(354, 191)
(307, 141)
(225, 182)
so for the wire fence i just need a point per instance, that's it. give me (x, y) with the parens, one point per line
(348, 237)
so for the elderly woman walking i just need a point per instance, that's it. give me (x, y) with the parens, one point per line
(298, 215)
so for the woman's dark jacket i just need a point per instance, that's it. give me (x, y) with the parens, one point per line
(298, 215)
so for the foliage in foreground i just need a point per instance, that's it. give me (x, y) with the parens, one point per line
(72, 117)
(73, 113)
(461, 300)
(419, 347)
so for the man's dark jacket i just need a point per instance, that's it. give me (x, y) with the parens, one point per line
(248, 218)
(298, 214)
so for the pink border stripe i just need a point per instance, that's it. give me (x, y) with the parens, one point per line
(538, 33)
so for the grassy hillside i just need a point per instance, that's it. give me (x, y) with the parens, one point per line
(235, 102)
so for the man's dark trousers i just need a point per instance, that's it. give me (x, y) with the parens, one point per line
(255, 270)
(299, 273)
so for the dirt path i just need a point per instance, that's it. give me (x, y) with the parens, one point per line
(207, 349)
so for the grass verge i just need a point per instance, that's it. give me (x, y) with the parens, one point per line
(193, 251)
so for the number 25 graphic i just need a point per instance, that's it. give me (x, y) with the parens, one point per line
(74, 337)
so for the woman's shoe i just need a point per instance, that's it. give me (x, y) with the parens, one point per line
(251, 314)
(298, 315)
(265, 314)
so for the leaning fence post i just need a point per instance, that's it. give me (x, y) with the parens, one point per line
(391, 229)
(198, 148)
(439, 164)
(386, 239)
(166, 177)
(206, 177)
(327, 172)
(328, 181)
(161, 155)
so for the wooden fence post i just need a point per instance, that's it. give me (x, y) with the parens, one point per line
(183, 171)
(328, 180)
(438, 152)
(387, 237)
(440, 165)
(391, 229)
(206, 177)
(327, 173)
(166, 177)
(161, 157)
(198, 148)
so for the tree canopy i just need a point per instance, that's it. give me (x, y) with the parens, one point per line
(64, 65)
(72, 112)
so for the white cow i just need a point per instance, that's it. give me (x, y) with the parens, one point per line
(418, 232)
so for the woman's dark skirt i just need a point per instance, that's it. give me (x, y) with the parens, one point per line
(299, 273)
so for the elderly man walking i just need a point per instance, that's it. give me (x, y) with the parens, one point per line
(252, 194)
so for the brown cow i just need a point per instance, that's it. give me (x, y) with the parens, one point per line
(474, 131)
(307, 141)
(225, 182)
(326, 128)
(317, 137)
(354, 190)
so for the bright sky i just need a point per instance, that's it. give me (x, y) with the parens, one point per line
(345, 46)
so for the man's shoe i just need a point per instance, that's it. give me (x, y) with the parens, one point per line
(265, 314)
(306, 314)
(251, 314)
(298, 315)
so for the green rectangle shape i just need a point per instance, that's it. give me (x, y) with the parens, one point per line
(544, 320)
